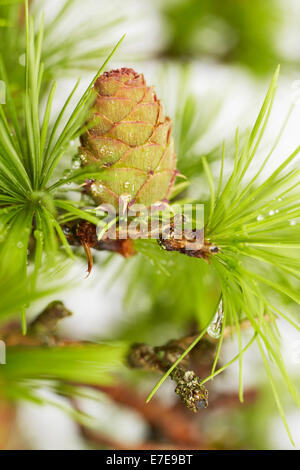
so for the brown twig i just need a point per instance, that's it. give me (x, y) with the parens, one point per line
(7, 421)
(189, 388)
(82, 232)
(177, 430)
(171, 422)
(101, 440)
(40, 331)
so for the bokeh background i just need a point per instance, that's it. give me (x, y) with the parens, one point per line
(223, 54)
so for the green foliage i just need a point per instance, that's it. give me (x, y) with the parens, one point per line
(28, 369)
(64, 50)
(29, 154)
(17, 290)
(256, 226)
(166, 293)
(254, 220)
(232, 31)
(31, 204)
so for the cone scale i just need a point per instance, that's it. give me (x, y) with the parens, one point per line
(131, 139)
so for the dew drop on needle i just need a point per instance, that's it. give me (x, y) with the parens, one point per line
(215, 328)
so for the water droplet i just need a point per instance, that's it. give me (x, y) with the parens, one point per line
(271, 212)
(260, 217)
(22, 60)
(215, 328)
(66, 173)
(76, 164)
(96, 189)
(20, 245)
(38, 235)
(293, 222)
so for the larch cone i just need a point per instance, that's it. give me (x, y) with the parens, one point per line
(129, 137)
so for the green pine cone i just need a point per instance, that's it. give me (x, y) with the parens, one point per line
(131, 138)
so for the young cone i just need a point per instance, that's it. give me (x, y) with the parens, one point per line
(130, 137)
